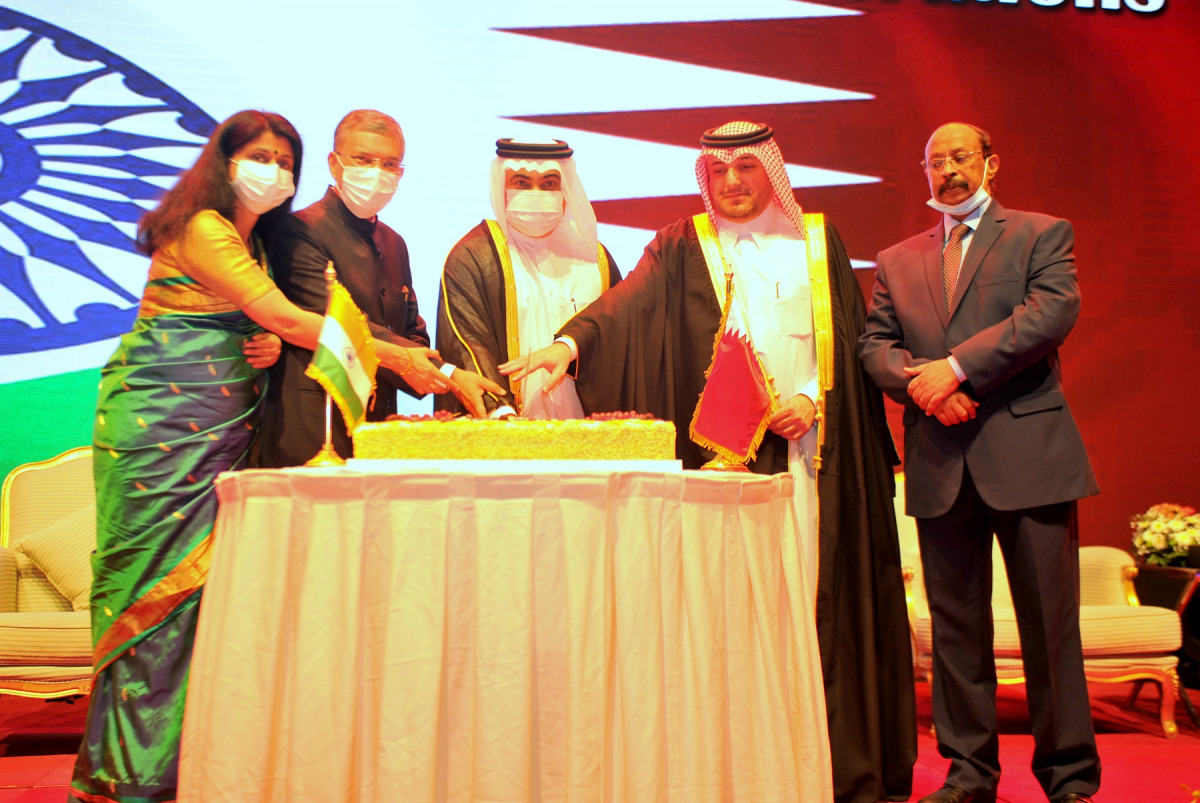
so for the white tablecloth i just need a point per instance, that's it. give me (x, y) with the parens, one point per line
(373, 635)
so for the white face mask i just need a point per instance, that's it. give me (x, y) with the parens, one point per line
(964, 207)
(535, 213)
(262, 187)
(366, 190)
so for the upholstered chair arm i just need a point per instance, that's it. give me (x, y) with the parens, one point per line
(914, 585)
(8, 580)
(1106, 576)
(907, 573)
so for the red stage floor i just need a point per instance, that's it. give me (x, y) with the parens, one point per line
(38, 741)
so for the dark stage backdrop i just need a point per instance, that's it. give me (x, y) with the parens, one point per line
(1093, 107)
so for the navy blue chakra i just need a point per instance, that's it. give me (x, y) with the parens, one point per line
(88, 142)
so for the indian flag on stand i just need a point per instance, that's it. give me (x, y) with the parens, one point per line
(345, 361)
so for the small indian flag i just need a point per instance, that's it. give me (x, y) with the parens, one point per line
(345, 361)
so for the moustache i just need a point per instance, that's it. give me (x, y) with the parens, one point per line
(952, 184)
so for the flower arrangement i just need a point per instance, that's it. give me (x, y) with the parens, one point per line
(1163, 534)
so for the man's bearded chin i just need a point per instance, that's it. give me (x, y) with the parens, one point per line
(952, 184)
(735, 211)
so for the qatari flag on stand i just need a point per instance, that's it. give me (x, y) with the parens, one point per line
(735, 406)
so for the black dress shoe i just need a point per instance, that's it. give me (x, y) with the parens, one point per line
(1074, 797)
(949, 794)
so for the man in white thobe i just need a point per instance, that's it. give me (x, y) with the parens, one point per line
(512, 282)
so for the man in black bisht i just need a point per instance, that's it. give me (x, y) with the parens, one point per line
(646, 344)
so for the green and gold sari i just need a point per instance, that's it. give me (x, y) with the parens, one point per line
(178, 404)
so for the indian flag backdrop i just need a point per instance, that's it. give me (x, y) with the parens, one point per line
(345, 361)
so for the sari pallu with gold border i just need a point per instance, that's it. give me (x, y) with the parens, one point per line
(178, 405)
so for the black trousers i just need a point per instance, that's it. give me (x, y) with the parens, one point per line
(1041, 554)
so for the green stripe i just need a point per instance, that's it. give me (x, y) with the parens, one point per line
(170, 281)
(43, 417)
(332, 367)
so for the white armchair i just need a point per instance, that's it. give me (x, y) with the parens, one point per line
(1122, 641)
(47, 535)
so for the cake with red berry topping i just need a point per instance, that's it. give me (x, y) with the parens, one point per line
(603, 436)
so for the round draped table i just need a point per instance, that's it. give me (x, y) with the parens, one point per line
(453, 634)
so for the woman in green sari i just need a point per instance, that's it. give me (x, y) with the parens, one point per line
(179, 403)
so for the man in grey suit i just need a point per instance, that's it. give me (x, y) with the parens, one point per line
(964, 329)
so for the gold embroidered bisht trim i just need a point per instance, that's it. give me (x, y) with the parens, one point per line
(510, 300)
(510, 304)
(822, 308)
(722, 279)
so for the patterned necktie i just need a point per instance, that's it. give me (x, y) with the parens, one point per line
(952, 260)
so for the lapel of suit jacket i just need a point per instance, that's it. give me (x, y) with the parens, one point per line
(991, 225)
(932, 253)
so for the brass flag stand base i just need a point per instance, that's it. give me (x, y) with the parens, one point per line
(327, 456)
(719, 463)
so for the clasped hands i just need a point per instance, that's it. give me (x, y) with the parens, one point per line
(934, 388)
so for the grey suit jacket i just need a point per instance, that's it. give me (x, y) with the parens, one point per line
(1016, 300)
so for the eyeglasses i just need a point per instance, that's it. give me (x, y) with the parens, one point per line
(387, 165)
(959, 159)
